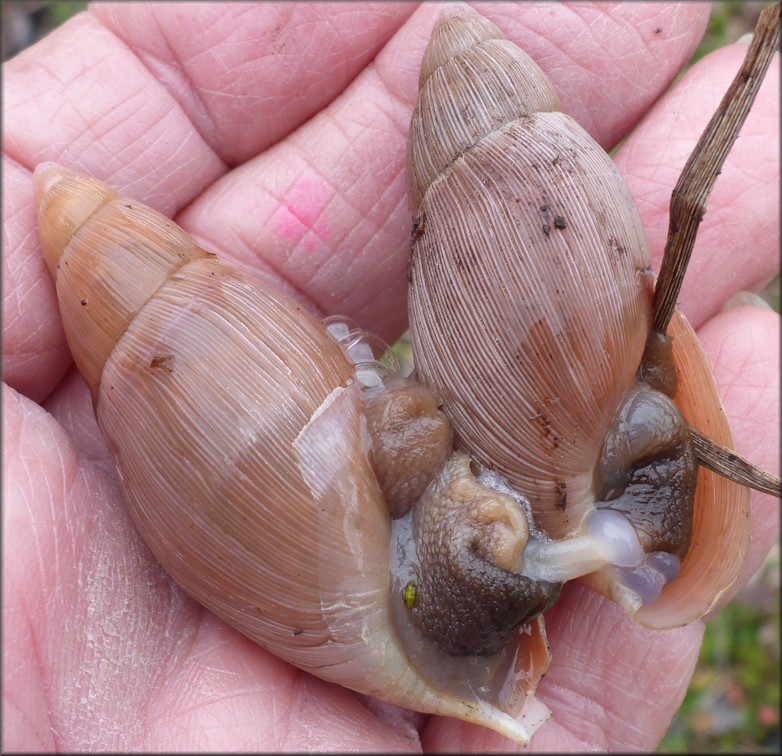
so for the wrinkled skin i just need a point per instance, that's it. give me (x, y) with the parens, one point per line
(276, 136)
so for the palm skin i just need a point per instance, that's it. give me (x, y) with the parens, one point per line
(275, 134)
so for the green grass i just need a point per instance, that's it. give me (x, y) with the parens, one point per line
(61, 12)
(733, 701)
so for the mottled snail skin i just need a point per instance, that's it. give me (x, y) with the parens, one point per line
(641, 471)
(246, 435)
(530, 311)
(406, 456)
(492, 531)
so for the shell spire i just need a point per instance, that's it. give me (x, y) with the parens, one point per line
(530, 291)
(103, 278)
(472, 80)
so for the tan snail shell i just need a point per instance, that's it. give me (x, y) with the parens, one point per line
(249, 453)
(240, 436)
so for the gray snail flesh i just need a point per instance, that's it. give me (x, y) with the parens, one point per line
(291, 482)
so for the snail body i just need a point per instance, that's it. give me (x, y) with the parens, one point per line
(402, 538)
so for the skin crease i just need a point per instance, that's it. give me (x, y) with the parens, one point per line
(100, 650)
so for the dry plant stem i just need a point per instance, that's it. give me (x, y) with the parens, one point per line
(731, 465)
(688, 206)
(688, 201)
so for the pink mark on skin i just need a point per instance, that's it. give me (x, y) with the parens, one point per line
(300, 217)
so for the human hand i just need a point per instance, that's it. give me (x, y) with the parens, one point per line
(196, 111)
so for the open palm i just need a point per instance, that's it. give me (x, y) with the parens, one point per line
(275, 134)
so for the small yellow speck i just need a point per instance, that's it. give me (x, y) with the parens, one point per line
(408, 595)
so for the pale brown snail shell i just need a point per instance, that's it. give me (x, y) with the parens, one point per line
(240, 428)
(246, 464)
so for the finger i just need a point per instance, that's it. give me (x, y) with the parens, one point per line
(607, 64)
(247, 74)
(612, 685)
(325, 213)
(81, 98)
(103, 112)
(150, 116)
(80, 596)
(738, 241)
(617, 685)
(226, 694)
(35, 356)
(743, 346)
(70, 404)
(133, 117)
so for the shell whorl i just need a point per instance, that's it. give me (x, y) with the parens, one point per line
(80, 218)
(530, 305)
(472, 82)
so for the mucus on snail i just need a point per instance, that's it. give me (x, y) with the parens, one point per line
(401, 537)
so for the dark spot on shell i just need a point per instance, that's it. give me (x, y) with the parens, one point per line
(544, 423)
(617, 247)
(162, 362)
(297, 631)
(561, 491)
(559, 222)
(657, 30)
(546, 212)
(419, 225)
(83, 302)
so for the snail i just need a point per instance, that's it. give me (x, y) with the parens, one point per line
(531, 316)
(283, 504)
